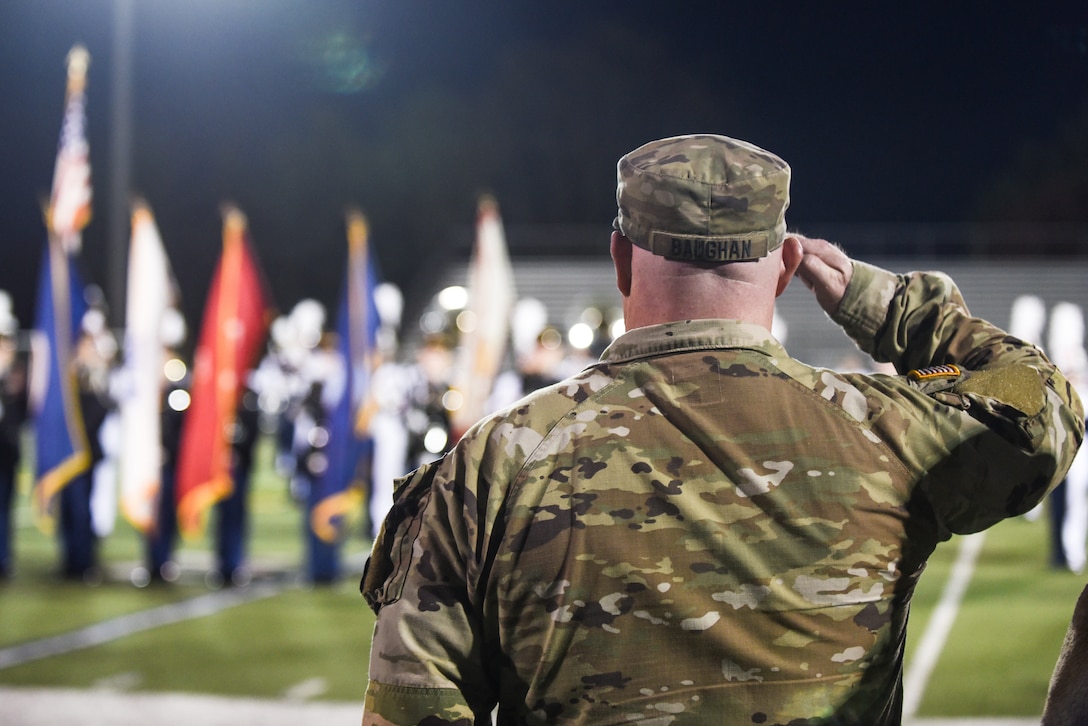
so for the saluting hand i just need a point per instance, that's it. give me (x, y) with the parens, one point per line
(826, 270)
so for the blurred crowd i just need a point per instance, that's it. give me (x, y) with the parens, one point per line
(287, 398)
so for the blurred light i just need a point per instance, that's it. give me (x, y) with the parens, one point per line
(432, 322)
(452, 400)
(617, 328)
(592, 317)
(241, 577)
(466, 321)
(343, 63)
(170, 571)
(435, 440)
(454, 297)
(174, 369)
(318, 437)
(178, 400)
(580, 336)
(551, 339)
(271, 403)
(140, 577)
(317, 463)
(235, 432)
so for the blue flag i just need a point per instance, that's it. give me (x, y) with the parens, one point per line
(338, 492)
(61, 440)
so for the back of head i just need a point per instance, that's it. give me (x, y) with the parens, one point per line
(703, 198)
(704, 215)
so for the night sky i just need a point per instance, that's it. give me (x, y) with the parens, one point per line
(294, 110)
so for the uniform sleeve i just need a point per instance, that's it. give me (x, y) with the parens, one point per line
(426, 663)
(991, 424)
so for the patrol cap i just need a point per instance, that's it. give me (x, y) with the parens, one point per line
(704, 198)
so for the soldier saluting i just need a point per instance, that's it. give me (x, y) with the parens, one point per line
(699, 527)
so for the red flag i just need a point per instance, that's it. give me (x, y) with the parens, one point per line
(231, 336)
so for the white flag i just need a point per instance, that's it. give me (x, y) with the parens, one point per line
(150, 293)
(491, 297)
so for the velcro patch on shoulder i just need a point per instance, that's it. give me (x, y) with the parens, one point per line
(1018, 386)
(935, 373)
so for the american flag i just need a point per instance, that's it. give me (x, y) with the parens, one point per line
(70, 202)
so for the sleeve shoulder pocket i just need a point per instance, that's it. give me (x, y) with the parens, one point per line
(387, 567)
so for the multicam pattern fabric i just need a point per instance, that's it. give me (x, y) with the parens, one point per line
(700, 529)
(703, 197)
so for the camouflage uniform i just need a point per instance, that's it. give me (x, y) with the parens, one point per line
(700, 529)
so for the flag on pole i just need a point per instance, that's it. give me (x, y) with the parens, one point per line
(70, 201)
(151, 293)
(232, 332)
(340, 487)
(62, 451)
(484, 339)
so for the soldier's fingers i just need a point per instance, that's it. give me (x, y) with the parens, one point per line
(826, 270)
(822, 249)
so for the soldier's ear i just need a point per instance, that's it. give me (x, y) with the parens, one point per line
(621, 258)
(792, 253)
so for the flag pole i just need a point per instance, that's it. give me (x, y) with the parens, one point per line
(121, 129)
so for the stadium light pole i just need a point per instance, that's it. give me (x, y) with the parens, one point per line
(120, 165)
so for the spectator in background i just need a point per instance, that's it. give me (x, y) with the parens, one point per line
(13, 412)
(162, 537)
(1069, 501)
(232, 513)
(389, 397)
(326, 375)
(95, 355)
(426, 416)
(536, 367)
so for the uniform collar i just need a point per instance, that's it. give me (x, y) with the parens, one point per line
(691, 335)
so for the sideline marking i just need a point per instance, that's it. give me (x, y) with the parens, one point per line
(123, 625)
(940, 624)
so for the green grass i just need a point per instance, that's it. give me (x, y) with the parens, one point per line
(997, 662)
(260, 648)
(1010, 626)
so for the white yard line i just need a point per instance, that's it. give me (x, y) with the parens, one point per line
(925, 657)
(119, 627)
(100, 707)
